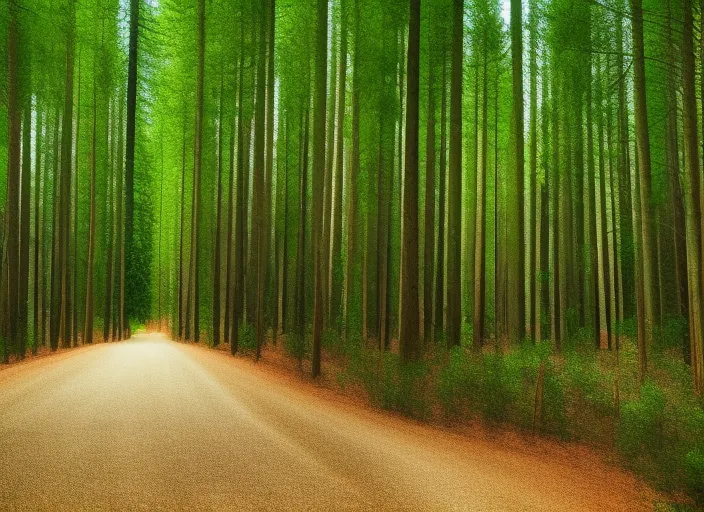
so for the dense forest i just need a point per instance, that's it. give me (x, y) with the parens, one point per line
(503, 195)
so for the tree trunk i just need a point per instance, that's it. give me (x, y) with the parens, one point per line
(643, 151)
(194, 281)
(603, 340)
(454, 235)
(258, 207)
(118, 324)
(238, 288)
(409, 336)
(440, 268)
(557, 313)
(218, 229)
(480, 247)
(693, 201)
(129, 157)
(675, 189)
(11, 247)
(318, 174)
(353, 224)
(544, 231)
(429, 245)
(38, 234)
(23, 303)
(88, 324)
(533, 317)
(109, 245)
(336, 270)
(328, 177)
(517, 331)
(64, 259)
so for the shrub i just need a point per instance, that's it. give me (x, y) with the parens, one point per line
(694, 471)
(247, 337)
(405, 386)
(554, 416)
(457, 381)
(499, 386)
(640, 430)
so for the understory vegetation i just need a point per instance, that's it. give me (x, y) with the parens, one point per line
(656, 430)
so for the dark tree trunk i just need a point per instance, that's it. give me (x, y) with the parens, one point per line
(410, 336)
(440, 268)
(454, 224)
(318, 174)
(336, 270)
(429, 245)
(517, 330)
(129, 157)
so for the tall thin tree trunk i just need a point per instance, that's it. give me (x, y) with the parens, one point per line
(454, 234)
(218, 229)
(643, 151)
(88, 323)
(693, 202)
(238, 288)
(480, 247)
(518, 282)
(409, 336)
(328, 176)
(544, 232)
(194, 280)
(23, 302)
(604, 341)
(11, 250)
(64, 258)
(74, 321)
(38, 232)
(438, 322)
(109, 242)
(119, 322)
(259, 208)
(353, 231)
(129, 157)
(318, 173)
(336, 270)
(533, 318)
(429, 245)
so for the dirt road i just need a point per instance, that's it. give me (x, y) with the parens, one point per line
(150, 424)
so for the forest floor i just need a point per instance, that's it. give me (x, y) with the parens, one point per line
(158, 425)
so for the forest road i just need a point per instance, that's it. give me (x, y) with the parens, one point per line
(150, 424)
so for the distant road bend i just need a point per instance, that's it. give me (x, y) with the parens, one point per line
(151, 424)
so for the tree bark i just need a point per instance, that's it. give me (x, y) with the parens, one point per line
(318, 174)
(129, 157)
(336, 270)
(409, 337)
(643, 151)
(693, 201)
(517, 331)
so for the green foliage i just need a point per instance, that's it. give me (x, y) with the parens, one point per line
(295, 345)
(247, 341)
(403, 387)
(641, 424)
(457, 382)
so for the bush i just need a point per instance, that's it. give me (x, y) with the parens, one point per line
(554, 416)
(247, 339)
(499, 387)
(640, 430)
(694, 471)
(589, 394)
(457, 382)
(405, 386)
